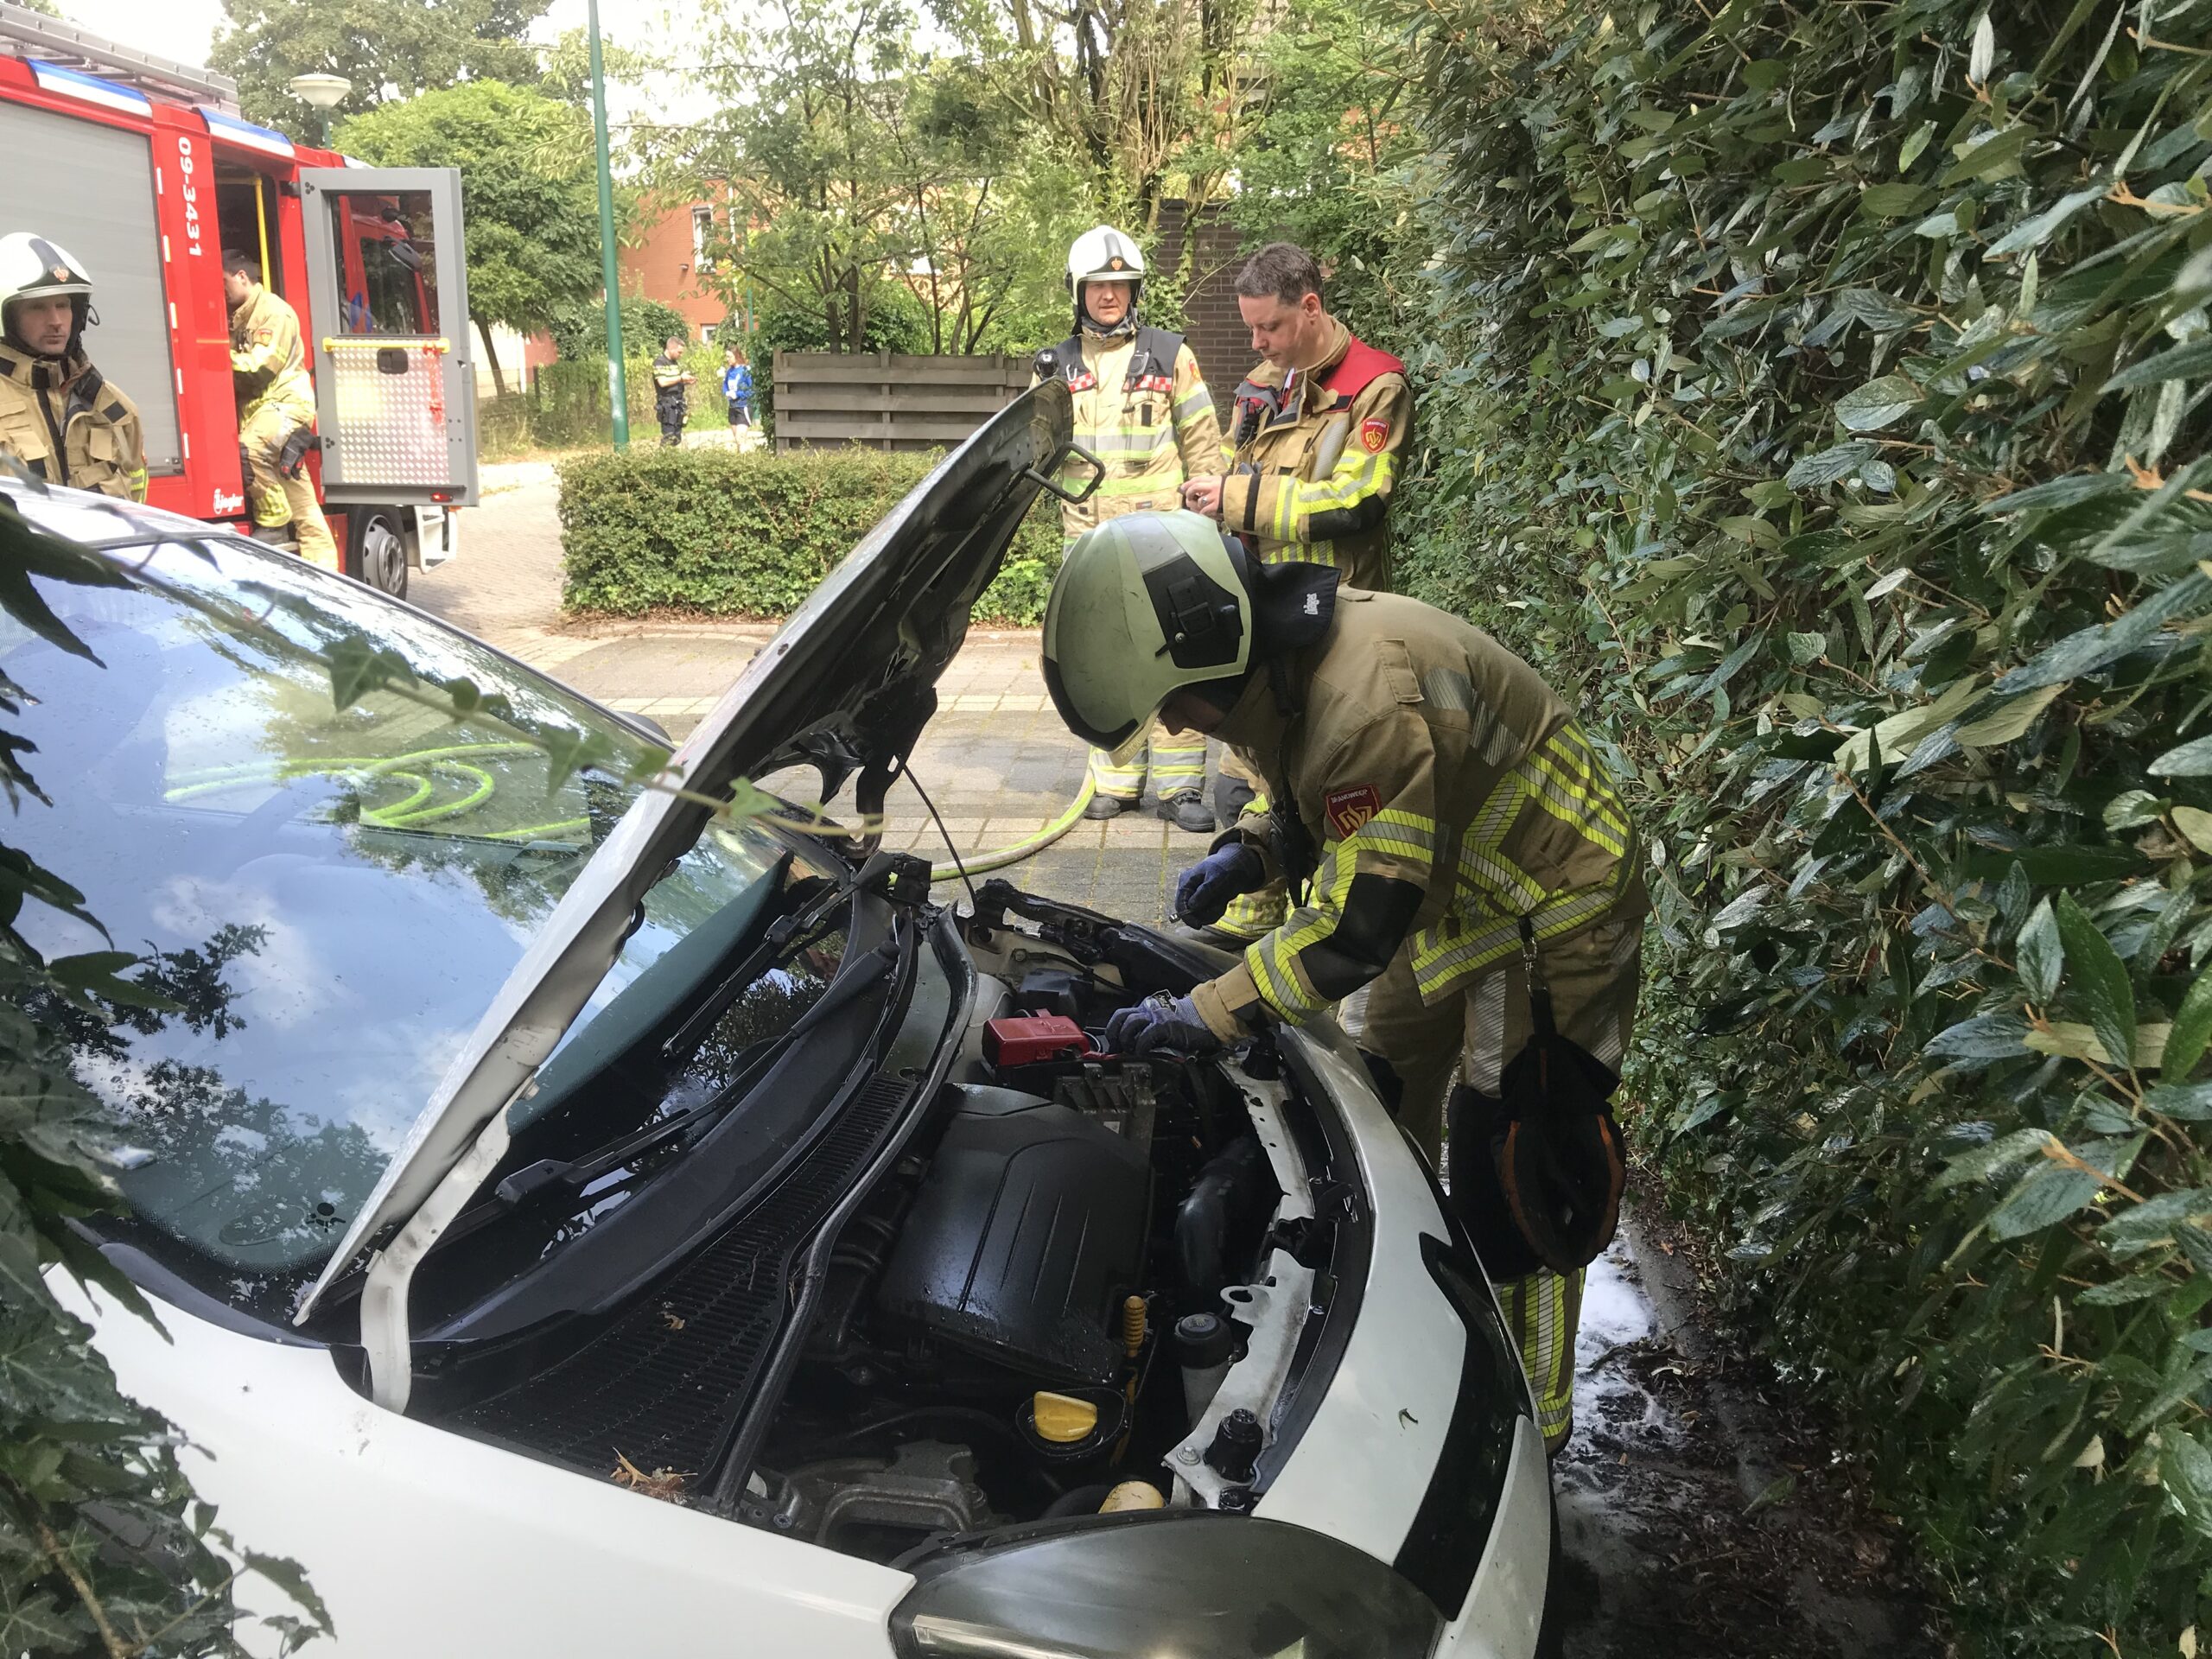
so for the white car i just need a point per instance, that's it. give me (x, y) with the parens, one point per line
(586, 1226)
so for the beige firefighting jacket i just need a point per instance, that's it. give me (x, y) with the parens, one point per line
(1151, 435)
(70, 425)
(1314, 463)
(269, 357)
(1423, 751)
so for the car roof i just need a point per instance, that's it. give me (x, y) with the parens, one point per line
(97, 521)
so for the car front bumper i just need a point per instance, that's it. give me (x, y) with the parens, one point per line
(1422, 1448)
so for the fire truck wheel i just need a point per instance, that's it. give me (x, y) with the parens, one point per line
(380, 552)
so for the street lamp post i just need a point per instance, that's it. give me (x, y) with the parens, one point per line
(322, 93)
(618, 384)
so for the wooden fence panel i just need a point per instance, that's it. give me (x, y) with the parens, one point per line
(888, 400)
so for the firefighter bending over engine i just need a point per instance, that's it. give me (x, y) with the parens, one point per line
(1453, 844)
(276, 413)
(59, 415)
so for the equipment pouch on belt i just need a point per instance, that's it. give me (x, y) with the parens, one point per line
(1545, 1153)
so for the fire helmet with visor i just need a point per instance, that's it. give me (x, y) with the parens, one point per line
(1103, 254)
(33, 267)
(1143, 606)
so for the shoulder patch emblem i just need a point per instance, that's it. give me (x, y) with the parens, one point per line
(1348, 809)
(1374, 433)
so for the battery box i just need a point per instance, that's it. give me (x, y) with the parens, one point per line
(1026, 1040)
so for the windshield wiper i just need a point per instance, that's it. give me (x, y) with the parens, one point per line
(861, 975)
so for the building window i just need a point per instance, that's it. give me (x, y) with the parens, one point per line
(703, 229)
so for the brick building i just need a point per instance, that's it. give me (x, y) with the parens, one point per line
(668, 262)
(1210, 321)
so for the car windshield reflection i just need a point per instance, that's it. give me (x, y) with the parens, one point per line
(326, 896)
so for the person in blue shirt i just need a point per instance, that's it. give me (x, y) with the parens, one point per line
(737, 388)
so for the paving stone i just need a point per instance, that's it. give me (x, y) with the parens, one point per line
(995, 759)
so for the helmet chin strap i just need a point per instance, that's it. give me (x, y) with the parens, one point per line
(1087, 324)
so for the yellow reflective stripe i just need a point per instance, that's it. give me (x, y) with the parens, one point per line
(1576, 807)
(1295, 553)
(1566, 759)
(1280, 996)
(1396, 834)
(1126, 441)
(1136, 484)
(1124, 783)
(1441, 960)
(1366, 475)
(1279, 984)
(1370, 476)
(1188, 408)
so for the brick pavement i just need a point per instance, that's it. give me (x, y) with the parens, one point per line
(995, 760)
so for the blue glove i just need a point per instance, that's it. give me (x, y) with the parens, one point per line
(1160, 1021)
(1203, 892)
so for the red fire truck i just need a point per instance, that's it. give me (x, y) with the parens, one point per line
(144, 170)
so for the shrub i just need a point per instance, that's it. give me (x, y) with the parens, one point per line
(751, 535)
(1822, 391)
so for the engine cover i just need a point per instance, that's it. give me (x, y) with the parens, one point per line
(1028, 1232)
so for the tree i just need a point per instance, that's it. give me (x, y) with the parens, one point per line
(808, 149)
(388, 49)
(529, 184)
(1327, 158)
(1148, 98)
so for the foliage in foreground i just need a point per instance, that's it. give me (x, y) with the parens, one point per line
(751, 534)
(1822, 390)
(103, 1549)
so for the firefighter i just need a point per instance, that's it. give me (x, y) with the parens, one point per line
(59, 415)
(276, 413)
(669, 381)
(1142, 408)
(1319, 427)
(1432, 796)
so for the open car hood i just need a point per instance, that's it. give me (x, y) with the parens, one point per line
(846, 685)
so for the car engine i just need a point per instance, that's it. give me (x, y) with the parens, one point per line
(1082, 1288)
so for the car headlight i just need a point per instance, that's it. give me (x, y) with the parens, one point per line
(1196, 1586)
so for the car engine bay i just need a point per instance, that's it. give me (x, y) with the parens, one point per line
(1088, 1283)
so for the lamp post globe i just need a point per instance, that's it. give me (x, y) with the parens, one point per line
(323, 93)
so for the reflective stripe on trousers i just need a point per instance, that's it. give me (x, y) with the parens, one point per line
(1543, 1312)
(1177, 763)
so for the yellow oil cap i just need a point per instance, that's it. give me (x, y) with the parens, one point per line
(1061, 1419)
(1133, 1495)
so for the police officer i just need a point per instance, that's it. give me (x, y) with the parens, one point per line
(276, 413)
(59, 415)
(1319, 427)
(669, 380)
(1432, 796)
(1142, 408)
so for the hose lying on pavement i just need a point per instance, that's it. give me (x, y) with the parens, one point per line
(998, 857)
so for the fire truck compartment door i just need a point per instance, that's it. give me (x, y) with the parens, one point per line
(395, 378)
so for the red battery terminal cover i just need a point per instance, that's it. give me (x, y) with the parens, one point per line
(1026, 1040)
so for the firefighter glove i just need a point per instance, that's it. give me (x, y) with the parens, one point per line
(1203, 892)
(1160, 1021)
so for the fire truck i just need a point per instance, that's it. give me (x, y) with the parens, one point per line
(144, 170)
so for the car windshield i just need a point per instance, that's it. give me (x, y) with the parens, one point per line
(329, 894)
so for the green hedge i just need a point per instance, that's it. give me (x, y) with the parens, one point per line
(1822, 390)
(751, 535)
